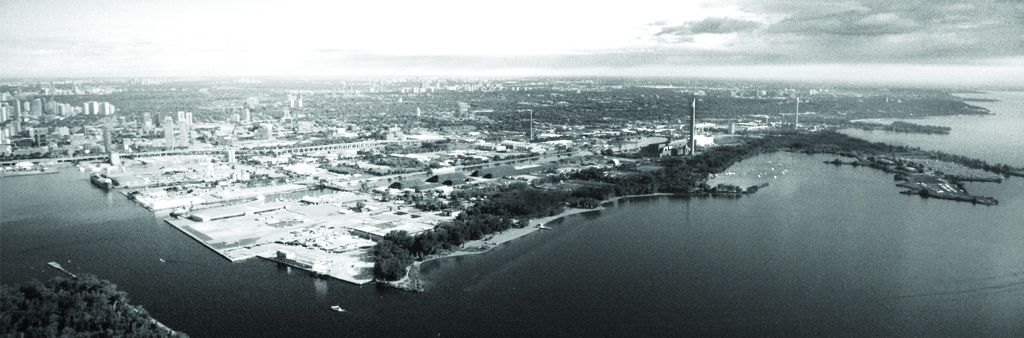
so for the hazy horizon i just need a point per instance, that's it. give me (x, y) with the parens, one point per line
(917, 42)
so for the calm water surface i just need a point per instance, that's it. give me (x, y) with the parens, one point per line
(997, 138)
(823, 251)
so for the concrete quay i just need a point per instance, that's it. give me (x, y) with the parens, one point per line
(323, 235)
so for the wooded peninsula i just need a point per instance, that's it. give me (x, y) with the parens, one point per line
(502, 208)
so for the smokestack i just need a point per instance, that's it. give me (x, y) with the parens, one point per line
(531, 126)
(796, 125)
(693, 127)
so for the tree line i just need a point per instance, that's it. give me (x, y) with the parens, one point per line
(82, 307)
(501, 208)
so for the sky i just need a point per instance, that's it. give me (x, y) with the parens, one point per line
(976, 42)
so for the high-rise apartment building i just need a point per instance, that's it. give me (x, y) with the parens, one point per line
(107, 135)
(105, 108)
(91, 108)
(64, 109)
(184, 137)
(37, 107)
(168, 125)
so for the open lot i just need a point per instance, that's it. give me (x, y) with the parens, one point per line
(325, 236)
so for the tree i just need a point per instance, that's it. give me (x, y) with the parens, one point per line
(390, 259)
(360, 205)
(84, 307)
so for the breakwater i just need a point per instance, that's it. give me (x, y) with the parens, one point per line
(927, 181)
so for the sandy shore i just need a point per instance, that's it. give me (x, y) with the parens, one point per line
(481, 246)
(492, 240)
(411, 281)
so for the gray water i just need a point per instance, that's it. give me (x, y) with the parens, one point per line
(823, 251)
(997, 138)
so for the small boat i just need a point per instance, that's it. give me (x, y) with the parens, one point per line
(162, 261)
(337, 308)
(542, 227)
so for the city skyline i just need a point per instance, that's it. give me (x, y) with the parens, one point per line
(907, 42)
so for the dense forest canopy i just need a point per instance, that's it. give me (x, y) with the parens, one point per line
(67, 307)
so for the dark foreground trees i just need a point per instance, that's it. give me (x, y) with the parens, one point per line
(65, 307)
(390, 259)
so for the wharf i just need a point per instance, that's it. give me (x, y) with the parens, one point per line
(25, 173)
(196, 236)
(347, 266)
(355, 274)
(210, 198)
(313, 235)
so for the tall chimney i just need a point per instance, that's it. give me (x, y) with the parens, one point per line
(693, 127)
(796, 124)
(531, 127)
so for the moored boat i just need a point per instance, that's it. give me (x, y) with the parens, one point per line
(101, 180)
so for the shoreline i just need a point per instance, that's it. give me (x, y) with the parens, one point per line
(414, 283)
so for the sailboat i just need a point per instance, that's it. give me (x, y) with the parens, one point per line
(337, 308)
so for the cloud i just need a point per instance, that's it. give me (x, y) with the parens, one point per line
(710, 26)
(723, 26)
(854, 23)
(858, 31)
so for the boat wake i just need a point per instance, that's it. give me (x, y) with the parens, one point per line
(168, 261)
(1000, 287)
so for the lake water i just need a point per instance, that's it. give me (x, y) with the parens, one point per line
(997, 138)
(822, 251)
